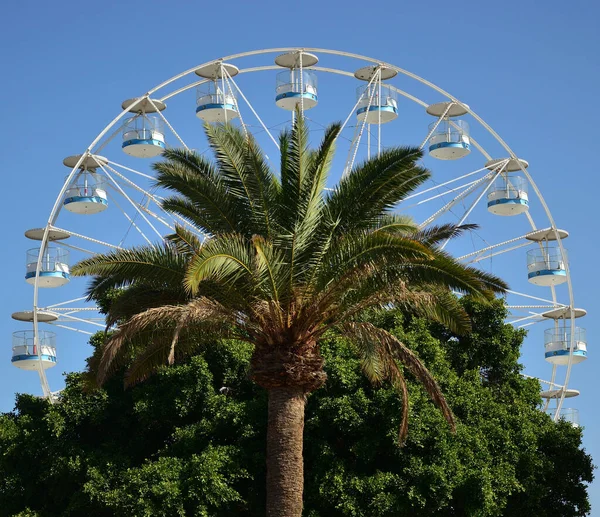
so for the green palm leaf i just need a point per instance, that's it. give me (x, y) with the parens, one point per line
(157, 265)
(224, 259)
(375, 187)
(378, 345)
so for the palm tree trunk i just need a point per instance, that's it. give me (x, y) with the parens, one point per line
(285, 465)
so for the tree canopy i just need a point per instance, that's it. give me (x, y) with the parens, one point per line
(190, 440)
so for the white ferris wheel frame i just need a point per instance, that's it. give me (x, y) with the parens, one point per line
(379, 64)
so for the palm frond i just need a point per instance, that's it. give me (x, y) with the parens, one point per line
(309, 237)
(226, 259)
(248, 178)
(295, 164)
(267, 189)
(383, 291)
(320, 165)
(371, 339)
(270, 269)
(399, 383)
(397, 224)
(375, 186)
(444, 269)
(156, 265)
(201, 194)
(139, 297)
(433, 235)
(186, 241)
(365, 252)
(197, 311)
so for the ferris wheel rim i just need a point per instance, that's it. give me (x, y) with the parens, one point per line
(132, 107)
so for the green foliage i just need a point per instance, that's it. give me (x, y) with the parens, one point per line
(190, 441)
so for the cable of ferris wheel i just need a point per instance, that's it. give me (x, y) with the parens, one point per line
(82, 320)
(131, 222)
(72, 329)
(124, 194)
(254, 112)
(453, 180)
(129, 169)
(68, 301)
(495, 254)
(161, 114)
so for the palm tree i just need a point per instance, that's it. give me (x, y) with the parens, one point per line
(284, 260)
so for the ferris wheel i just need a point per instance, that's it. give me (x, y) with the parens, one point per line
(108, 199)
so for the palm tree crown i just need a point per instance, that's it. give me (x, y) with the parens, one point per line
(282, 261)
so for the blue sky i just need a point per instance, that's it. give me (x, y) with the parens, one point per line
(531, 71)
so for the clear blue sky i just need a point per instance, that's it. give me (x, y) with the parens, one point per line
(530, 70)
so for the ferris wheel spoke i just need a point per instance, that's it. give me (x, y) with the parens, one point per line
(353, 144)
(226, 78)
(85, 237)
(354, 149)
(60, 304)
(77, 248)
(440, 194)
(357, 133)
(135, 206)
(179, 220)
(146, 210)
(264, 126)
(523, 307)
(157, 200)
(72, 329)
(532, 316)
(150, 198)
(134, 186)
(437, 123)
(495, 254)
(543, 381)
(531, 297)
(474, 204)
(131, 222)
(108, 139)
(129, 169)
(70, 317)
(493, 246)
(153, 197)
(448, 206)
(168, 124)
